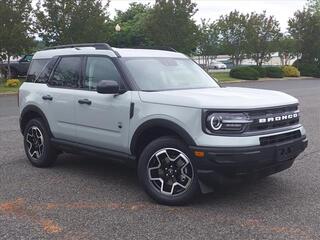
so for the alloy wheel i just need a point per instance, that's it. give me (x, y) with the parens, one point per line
(170, 171)
(35, 142)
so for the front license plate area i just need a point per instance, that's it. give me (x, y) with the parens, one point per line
(285, 153)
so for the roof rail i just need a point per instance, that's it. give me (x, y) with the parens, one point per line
(97, 46)
(101, 46)
(170, 49)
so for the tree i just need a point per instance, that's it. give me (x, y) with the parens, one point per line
(304, 27)
(287, 49)
(132, 22)
(72, 21)
(170, 24)
(262, 35)
(208, 41)
(232, 28)
(314, 6)
(15, 29)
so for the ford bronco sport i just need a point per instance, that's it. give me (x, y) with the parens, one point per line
(159, 111)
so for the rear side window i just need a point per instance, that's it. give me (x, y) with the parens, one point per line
(35, 69)
(97, 69)
(67, 73)
(46, 71)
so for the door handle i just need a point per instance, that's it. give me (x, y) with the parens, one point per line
(84, 101)
(47, 97)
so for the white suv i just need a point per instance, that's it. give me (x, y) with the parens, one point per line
(157, 110)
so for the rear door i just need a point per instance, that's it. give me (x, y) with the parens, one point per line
(59, 96)
(102, 119)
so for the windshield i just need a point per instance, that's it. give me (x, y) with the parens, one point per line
(156, 74)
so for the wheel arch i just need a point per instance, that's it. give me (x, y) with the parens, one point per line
(31, 112)
(155, 128)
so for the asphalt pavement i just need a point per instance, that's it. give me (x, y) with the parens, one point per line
(87, 198)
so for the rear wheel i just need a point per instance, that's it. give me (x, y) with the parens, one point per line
(38, 147)
(167, 173)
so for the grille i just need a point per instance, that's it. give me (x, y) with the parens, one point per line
(280, 138)
(272, 113)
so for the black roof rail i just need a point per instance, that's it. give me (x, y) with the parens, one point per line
(97, 46)
(103, 46)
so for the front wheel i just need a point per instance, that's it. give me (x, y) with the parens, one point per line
(167, 173)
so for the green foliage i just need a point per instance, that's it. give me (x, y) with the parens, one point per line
(15, 28)
(308, 69)
(262, 36)
(304, 27)
(133, 26)
(262, 71)
(314, 5)
(287, 49)
(246, 73)
(290, 71)
(170, 24)
(274, 72)
(72, 21)
(208, 41)
(232, 29)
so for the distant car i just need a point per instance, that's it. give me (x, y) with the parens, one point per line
(217, 65)
(18, 68)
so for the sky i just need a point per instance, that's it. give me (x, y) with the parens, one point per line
(212, 9)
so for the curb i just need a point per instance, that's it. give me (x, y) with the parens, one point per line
(8, 94)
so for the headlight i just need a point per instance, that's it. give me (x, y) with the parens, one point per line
(226, 122)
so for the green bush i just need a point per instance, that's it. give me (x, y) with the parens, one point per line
(274, 72)
(261, 70)
(309, 70)
(290, 71)
(245, 73)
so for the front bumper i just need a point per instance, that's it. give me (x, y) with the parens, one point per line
(228, 164)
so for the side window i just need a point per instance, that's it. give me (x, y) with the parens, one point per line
(45, 74)
(27, 58)
(97, 69)
(35, 69)
(67, 73)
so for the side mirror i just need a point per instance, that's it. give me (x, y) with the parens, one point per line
(108, 87)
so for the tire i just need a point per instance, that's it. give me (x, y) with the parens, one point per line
(179, 181)
(14, 73)
(37, 145)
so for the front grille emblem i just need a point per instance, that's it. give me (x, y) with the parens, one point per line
(279, 118)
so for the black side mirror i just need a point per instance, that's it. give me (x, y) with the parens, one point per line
(108, 87)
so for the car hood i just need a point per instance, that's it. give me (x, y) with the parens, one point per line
(220, 98)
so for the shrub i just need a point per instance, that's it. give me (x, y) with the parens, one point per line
(290, 71)
(261, 70)
(309, 69)
(245, 73)
(274, 72)
(13, 83)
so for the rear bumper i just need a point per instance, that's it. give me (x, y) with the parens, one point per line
(228, 164)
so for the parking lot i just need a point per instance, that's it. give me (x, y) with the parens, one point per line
(87, 198)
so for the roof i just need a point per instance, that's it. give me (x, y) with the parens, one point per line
(123, 52)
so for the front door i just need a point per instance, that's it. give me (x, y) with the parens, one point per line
(102, 119)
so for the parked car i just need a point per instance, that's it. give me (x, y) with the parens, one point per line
(18, 68)
(159, 111)
(217, 65)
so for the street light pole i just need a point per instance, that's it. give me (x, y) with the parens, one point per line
(118, 29)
